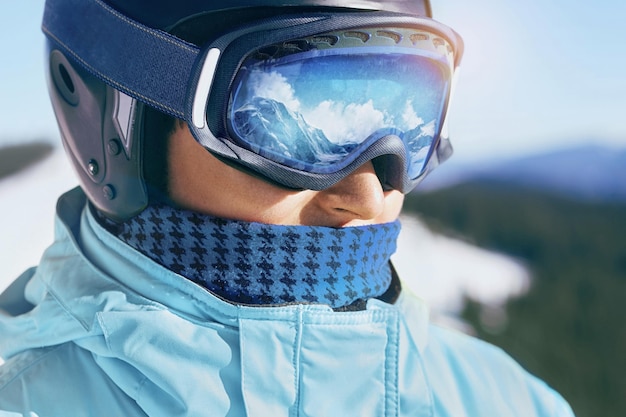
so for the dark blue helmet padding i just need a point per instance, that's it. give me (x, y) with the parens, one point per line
(163, 14)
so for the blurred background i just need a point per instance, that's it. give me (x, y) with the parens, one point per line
(519, 239)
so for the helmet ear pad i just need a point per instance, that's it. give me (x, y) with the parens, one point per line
(100, 136)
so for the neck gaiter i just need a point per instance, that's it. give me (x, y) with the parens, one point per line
(263, 264)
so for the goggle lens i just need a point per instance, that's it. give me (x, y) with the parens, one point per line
(317, 110)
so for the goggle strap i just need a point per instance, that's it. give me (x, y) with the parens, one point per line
(108, 44)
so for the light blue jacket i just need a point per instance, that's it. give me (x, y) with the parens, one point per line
(100, 330)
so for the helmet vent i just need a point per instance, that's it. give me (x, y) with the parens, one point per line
(65, 76)
(327, 39)
(394, 36)
(363, 36)
(62, 75)
(417, 37)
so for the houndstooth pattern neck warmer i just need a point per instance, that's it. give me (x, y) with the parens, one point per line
(262, 264)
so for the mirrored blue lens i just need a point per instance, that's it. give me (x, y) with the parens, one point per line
(319, 110)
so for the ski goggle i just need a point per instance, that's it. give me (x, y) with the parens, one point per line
(302, 100)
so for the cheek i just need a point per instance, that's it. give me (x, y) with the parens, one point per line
(198, 181)
(393, 206)
(194, 175)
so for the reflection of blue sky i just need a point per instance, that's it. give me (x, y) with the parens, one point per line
(348, 98)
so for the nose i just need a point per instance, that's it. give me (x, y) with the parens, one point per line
(359, 196)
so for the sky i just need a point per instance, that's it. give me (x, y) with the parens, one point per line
(536, 75)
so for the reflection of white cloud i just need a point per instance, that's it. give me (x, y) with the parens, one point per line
(274, 86)
(345, 123)
(409, 117)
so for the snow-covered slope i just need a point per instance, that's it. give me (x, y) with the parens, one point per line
(438, 269)
(27, 201)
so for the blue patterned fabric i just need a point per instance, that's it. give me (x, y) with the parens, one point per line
(255, 263)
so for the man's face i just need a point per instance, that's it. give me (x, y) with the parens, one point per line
(200, 182)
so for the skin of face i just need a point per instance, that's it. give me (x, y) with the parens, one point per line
(198, 181)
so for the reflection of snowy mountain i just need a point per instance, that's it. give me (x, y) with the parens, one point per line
(271, 125)
(421, 137)
(418, 142)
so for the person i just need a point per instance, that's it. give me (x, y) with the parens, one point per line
(242, 166)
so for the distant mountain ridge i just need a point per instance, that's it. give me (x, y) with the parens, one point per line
(15, 158)
(585, 172)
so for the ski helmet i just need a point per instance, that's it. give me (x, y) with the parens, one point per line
(103, 55)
